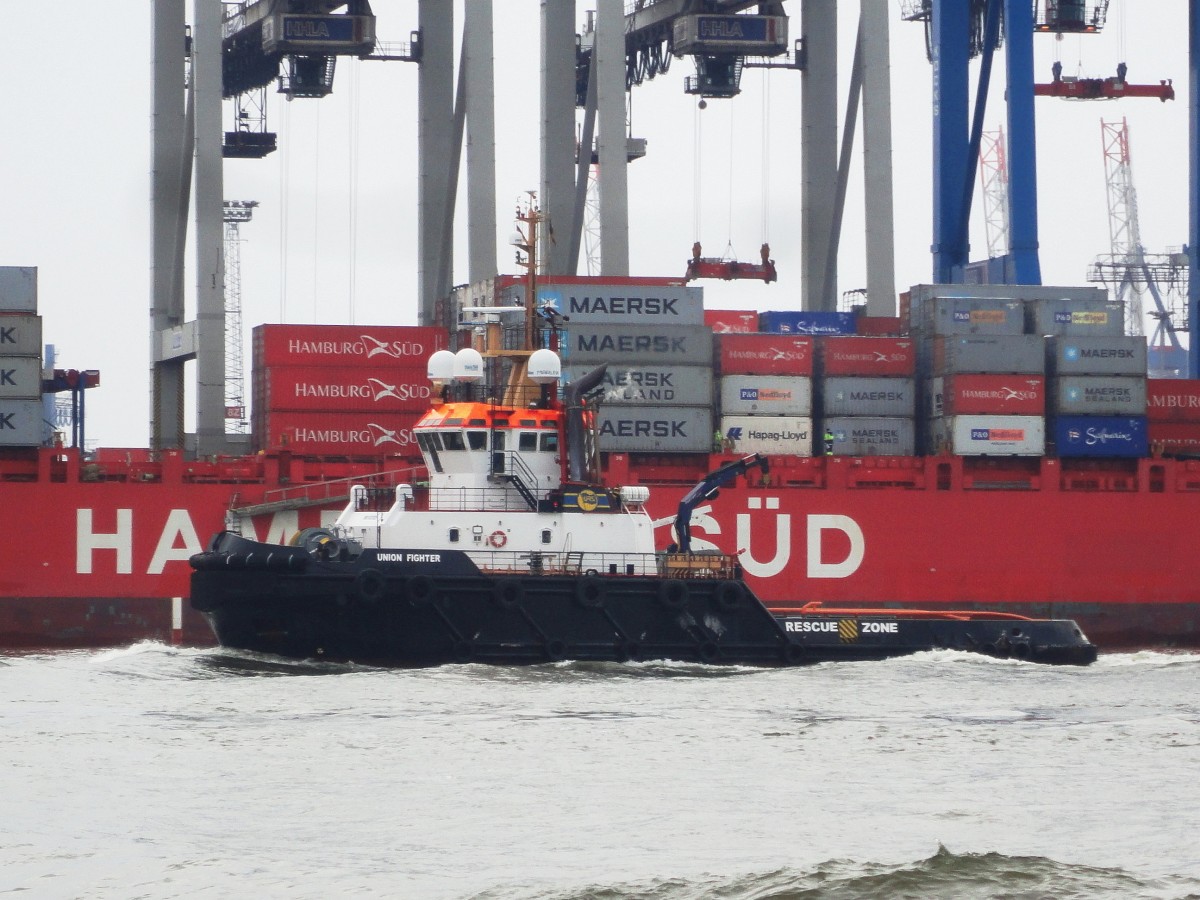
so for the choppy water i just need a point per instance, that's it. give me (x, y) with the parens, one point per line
(160, 772)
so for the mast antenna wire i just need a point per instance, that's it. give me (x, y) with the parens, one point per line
(284, 210)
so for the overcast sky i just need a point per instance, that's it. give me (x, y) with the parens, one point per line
(74, 166)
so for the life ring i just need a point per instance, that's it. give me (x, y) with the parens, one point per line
(497, 539)
(370, 585)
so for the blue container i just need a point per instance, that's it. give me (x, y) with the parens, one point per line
(1108, 436)
(806, 322)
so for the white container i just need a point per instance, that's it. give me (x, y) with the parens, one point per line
(770, 435)
(18, 289)
(766, 395)
(988, 435)
(20, 335)
(21, 423)
(20, 378)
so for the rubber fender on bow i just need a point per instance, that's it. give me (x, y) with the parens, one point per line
(508, 593)
(590, 591)
(728, 595)
(673, 593)
(370, 585)
(419, 590)
(555, 650)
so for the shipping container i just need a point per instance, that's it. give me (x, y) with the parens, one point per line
(386, 347)
(845, 396)
(769, 435)
(1098, 395)
(858, 355)
(766, 395)
(18, 289)
(342, 388)
(1173, 399)
(988, 435)
(599, 303)
(914, 301)
(1097, 316)
(358, 434)
(1119, 355)
(1022, 354)
(997, 395)
(867, 435)
(811, 322)
(681, 429)
(20, 378)
(884, 326)
(967, 315)
(21, 335)
(21, 423)
(682, 345)
(1174, 438)
(731, 321)
(1106, 436)
(764, 354)
(670, 385)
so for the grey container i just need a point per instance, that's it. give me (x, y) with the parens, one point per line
(641, 385)
(921, 295)
(643, 345)
(1066, 316)
(967, 315)
(20, 378)
(21, 335)
(681, 429)
(988, 435)
(868, 435)
(624, 304)
(851, 396)
(1098, 395)
(18, 289)
(766, 395)
(1019, 354)
(21, 423)
(1119, 355)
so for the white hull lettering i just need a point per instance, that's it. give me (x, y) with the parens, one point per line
(818, 568)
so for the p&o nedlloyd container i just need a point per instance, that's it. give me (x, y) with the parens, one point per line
(1076, 317)
(869, 435)
(788, 395)
(988, 435)
(769, 435)
(969, 315)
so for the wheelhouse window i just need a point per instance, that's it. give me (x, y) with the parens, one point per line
(549, 441)
(477, 440)
(527, 441)
(453, 440)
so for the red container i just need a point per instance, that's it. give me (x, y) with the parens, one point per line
(1174, 438)
(883, 326)
(986, 395)
(731, 321)
(765, 354)
(342, 389)
(379, 346)
(1172, 400)
(358, 434)
(860, 355)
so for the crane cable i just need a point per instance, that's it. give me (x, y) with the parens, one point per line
(696, 165)
(766, 158)
(352, 206)
(284, 190)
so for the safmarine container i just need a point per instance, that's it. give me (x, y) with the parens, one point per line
(1100, 436)
(1096, 316)
(21, 423)
(1119, 355)
(676, 345)
(379, 346)
(682, 429)
(1173, 399)
(601, 303)
(731, 321)
(18, 289)
(988, 435)
(764, 354)
(770, 435)
(867, 435)
(968, 315)
(860, 355)
(21, 335)
(1002, 395)
(1019, 354)
(1098, 395)
(810, 322)
(867, 397)
(20, 378)
(766, 395)
(360, 434)
(641, 385)
(343, 388)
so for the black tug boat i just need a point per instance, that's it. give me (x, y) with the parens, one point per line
(516, 553)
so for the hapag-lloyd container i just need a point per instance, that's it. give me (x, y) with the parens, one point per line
(1016, 354)
(764, 354)
(731, 321)
(988, 435)
(810, 322)
(1173, 399)
(682, 429)
(1117, 355)
(20, 335)
(20, 378)
(770, 435)
(766, 395)
(379, 346)
(868, 435)
(860, 355)
(358, 434)
(1106, 436)
(18, 289)
(21, 423)
(1076, 316)
(638, 385)
(847, 396)
(342, 388)
(973, 395)
(1098, 395)
(676, 345)
(969, 315)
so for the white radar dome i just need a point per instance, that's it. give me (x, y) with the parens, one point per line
(440, 368)
(544, 366)
(468, 365)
